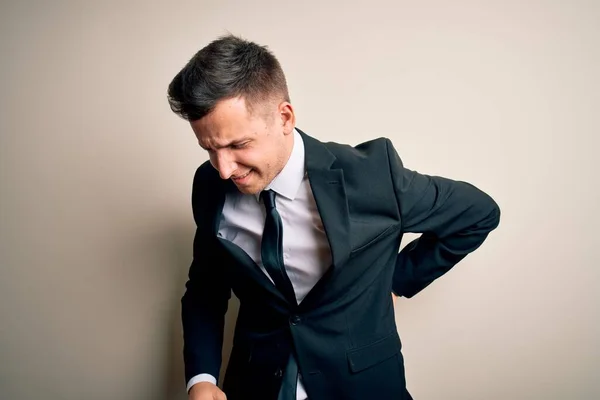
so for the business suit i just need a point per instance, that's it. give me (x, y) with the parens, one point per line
(343, 333)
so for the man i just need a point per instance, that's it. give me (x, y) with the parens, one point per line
(307, 235)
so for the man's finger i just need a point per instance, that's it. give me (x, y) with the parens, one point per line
(221, 396)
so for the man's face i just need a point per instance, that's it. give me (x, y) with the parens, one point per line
(248, 148)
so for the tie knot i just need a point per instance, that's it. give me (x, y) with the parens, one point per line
(268, 197)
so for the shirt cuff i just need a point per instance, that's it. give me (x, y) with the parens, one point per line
(201, 378)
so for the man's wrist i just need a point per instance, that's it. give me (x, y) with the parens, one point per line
(201, 378)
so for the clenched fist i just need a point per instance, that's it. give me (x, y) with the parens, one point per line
(206, 391)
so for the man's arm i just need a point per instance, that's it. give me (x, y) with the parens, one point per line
(203, 308)
(454, 218)
(205, 301)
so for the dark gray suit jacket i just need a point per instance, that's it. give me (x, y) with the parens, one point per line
(344, 332)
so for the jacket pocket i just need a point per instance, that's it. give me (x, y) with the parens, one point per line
(374, 353)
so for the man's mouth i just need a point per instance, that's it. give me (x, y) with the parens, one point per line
(237, 178)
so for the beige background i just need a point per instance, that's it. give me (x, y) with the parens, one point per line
(95, 175)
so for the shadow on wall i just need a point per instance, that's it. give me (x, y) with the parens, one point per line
(175, 382)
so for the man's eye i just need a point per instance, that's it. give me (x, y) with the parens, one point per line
(239, 145)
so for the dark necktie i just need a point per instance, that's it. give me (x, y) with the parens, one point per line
(272, 258)
(272, 247)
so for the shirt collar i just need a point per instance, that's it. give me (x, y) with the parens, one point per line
(288, 181)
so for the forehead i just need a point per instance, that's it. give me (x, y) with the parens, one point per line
(230, 120)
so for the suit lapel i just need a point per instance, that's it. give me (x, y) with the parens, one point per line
(251, 268)
(222, 187)
(327, 184)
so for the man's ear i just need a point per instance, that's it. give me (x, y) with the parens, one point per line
(288, 117)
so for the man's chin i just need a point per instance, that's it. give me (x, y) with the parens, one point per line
(249, 189)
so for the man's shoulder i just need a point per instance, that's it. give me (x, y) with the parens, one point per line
(359, 150)
(205, 168)
(367, 150)
(205, 172)
(206, 181)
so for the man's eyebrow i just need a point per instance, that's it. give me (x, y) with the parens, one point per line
(234, 142)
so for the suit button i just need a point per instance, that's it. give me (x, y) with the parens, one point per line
(279, 373)
(295, 319)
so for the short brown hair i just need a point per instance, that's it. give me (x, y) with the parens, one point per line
(226, 68)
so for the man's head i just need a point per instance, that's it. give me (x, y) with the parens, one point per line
(234, 94)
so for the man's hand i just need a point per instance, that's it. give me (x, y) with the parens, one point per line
(206, 391)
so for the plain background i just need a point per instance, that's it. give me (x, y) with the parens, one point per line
(96, 173)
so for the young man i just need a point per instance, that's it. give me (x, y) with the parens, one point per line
(307, 235)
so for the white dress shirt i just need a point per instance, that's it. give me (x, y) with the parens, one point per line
(306, 252)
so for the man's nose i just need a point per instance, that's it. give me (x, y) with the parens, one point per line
(225, 165)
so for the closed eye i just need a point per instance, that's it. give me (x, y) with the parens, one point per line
(238, 146)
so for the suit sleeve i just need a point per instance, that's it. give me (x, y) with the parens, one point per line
(204, 304)
(453, 217)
